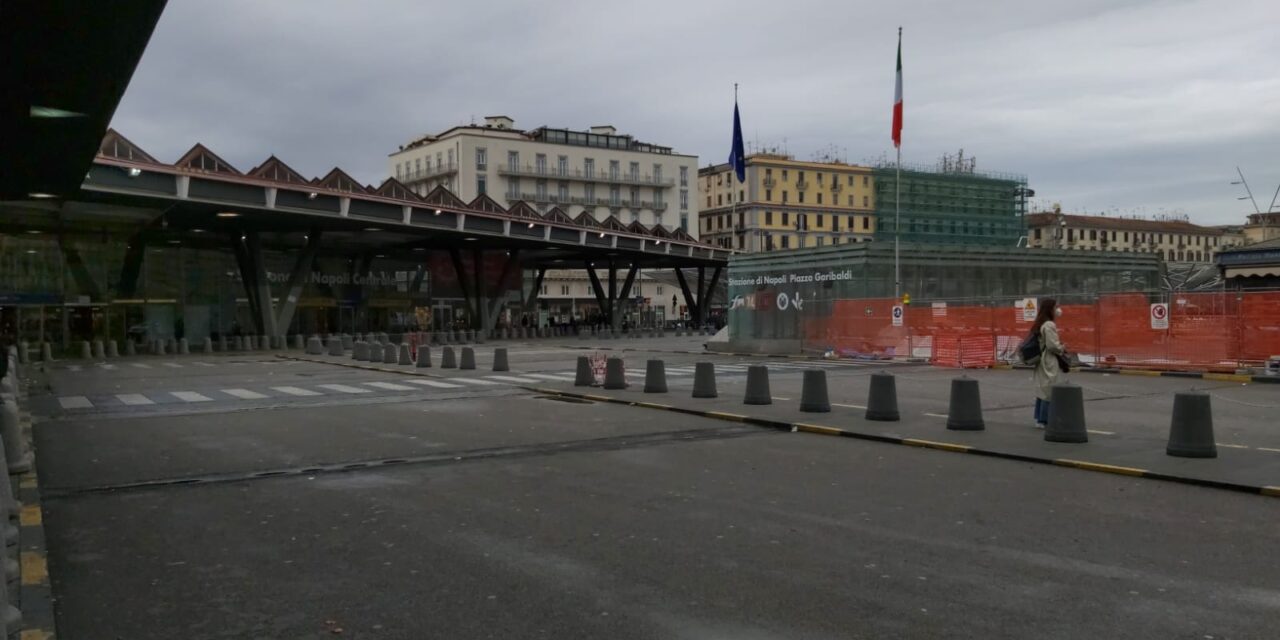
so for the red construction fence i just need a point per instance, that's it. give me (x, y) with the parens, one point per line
(1218, 331)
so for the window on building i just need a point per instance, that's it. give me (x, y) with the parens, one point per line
(851, 181)
(563, 192)
(820, 240)
(615, 195)
(866, 202)
(564, 289)
(800, 196)
(614, 168)
(684, 178)
(542, 191)
(1036, 234)
(635, 216)
(784, 196)
(657, 173)
(482, 159)
(866, 181)
(635, 196)
(540, 163)
(708, 201)
(589, 167)
(866, 223)
(819, 198)
(562, 165)
(786, 241)
(821, 221)
(835, 223)
(784, 175)
(719, 199)
(768, 195)
(450, 153)
(589, 194)
(768, 218)
(513, 160)
(785, 218)
(513, 188)
(684, 198)
(799, 176)
(1093, 234)
(440, 160)
(481, 183)
(635, 170)
(768, 174)
(850, 200)
(417, 167)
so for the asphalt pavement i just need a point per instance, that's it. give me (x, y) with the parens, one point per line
(486, 510)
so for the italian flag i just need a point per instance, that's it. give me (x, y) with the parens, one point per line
(897, 98)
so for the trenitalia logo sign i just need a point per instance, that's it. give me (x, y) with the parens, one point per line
(381, 279)
(782, 300)
(792, 278)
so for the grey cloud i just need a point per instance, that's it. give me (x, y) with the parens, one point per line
(1138, 105)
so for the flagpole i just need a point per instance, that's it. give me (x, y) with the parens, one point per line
(897, 195)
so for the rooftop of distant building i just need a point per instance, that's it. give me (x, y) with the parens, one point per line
(599, 136)
(1042, 219)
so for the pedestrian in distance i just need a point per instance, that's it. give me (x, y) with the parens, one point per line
(1050, 365)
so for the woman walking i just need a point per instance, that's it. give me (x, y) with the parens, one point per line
(1047, 372)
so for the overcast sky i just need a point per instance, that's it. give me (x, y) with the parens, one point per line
(1136, 107)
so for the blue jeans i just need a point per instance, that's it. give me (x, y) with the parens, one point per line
(1042, 411)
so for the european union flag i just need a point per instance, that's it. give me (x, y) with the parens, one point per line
(736, 157)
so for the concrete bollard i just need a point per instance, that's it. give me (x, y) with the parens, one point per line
(264, 343)
(704, 380)
(468, 358)
(335, 346)
(314, 347)
(99, 350)
(24, 352)
(655, 377)
(500, 359)
(882, 399)
(584, 377)
(15, 447)
(1191, 429)
(813, 396)
(208, 344)
(184, 347)
(447, 359)
(113, 351)
(1066, 415)
(360, 350)
(46, 352)
(130, 349)
(965, 410)
(390, 353)
(222, 344)
(405, 356)
(86, 352)
(758, 385)
(424, 357)
(298, 341)
(347, 341)
(614, 376)
(160, 347)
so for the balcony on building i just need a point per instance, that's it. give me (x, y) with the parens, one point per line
(410, 177)
(533, 171)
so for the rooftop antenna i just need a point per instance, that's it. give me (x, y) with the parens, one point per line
(1248, 191)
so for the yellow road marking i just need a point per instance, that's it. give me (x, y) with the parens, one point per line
(30, 516)
(930, 444)
(1268, 449)
(851, 406)
(35, 634)
(1097, 466)
(1140, 372)
(1232, 446)
(1227, 377)
(597, 398)
(653, 405)
(34, 568)
(816, 428)
(1271, 491)
(729, 416)
(27, 483)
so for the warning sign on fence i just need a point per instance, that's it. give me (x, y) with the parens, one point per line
(897, 315)
(1029, 308)
(939, 309)
(1159, 316)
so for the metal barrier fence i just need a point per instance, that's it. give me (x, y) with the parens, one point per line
(1215, 331)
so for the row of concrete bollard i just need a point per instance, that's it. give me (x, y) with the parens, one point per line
(15, 456)
(402, 354)
(1190, 431)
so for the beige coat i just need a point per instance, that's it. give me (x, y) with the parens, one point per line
(1047, 372)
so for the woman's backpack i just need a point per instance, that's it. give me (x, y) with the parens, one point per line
(1030, 350)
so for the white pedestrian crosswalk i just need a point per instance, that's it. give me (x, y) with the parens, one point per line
(190, 396)
(399, 385)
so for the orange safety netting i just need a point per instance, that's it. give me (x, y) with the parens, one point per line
(1206, 331)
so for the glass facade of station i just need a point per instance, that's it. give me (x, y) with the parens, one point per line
(773, 296)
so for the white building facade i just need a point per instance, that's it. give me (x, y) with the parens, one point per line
(598, 172)
(567, 294)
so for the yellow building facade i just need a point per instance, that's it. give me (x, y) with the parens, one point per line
(786, 204)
